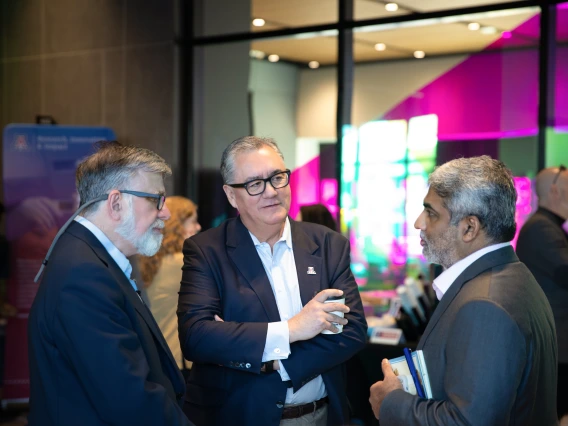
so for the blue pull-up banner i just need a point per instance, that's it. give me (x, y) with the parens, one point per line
(39, 164)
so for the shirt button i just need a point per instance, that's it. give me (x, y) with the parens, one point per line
(277, 350)
(279, 404)
(247, 365)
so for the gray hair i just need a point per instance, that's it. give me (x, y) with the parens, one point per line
(111, 167)
(481, 187)
(238, 146)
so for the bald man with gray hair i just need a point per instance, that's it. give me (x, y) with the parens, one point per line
(543, 247)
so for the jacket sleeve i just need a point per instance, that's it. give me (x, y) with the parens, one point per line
(231, 344)
(310, 358)
(485, 357)
(98, 339)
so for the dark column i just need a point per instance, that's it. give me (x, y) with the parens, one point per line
(344, 77)
(547, 64)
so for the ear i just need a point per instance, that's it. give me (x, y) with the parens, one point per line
(114, 205)
(230, 193)
(554, 192)
(470, 227)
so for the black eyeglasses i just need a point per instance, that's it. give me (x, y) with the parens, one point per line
(560, 170)
(161, 198)
(258, 186)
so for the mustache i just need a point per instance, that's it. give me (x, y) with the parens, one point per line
(159, 223)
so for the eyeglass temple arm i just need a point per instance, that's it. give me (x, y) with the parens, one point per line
(62, 230)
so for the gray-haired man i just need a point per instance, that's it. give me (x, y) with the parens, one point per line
(490, 346)
(96, 354)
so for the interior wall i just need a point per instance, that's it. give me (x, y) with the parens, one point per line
(104, 62)
(274, 90)
(377, 88)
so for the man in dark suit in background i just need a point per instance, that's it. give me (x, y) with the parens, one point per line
(490, 347)
(543, 247)
(247, 313)
(96, 354)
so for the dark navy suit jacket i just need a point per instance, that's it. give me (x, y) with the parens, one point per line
(223, 275)
(96, 354)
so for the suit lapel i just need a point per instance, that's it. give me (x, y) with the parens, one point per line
(485, 262)
(131, 295)
(308, 266)
(243, 253)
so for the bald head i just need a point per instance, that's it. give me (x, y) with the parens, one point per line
(552, 190)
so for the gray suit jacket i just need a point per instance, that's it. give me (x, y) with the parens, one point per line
(490, 349)
(543, 247)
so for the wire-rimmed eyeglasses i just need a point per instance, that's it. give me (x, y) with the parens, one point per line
(160, 197)
(561, 168)
(258, 186)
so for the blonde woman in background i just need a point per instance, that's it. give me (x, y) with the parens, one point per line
(161, 273)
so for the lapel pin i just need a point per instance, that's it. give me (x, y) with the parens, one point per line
(311, 270)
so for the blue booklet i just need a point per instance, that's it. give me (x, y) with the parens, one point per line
(401, 369)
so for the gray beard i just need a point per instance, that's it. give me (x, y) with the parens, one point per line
(149, 243)
(442, 250)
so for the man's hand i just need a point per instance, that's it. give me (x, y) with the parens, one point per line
(316, 317)
(380, 390)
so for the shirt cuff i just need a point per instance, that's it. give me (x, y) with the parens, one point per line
(283, 373)
(277, 344)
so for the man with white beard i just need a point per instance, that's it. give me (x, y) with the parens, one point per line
(96, 354)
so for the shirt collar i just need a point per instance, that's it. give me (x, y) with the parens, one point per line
(443, 282)
(120, 259)
(286, 235)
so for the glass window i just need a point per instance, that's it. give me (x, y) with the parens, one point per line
(285, 89)
(215, 17)
(433, 91)
(364, 9)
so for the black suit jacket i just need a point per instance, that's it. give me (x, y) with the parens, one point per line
(224, 275)
(490, 350)
(96, 354)
(543, 247)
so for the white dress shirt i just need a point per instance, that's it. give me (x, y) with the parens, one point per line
(443, 282)
(120, 259)
(280, 267)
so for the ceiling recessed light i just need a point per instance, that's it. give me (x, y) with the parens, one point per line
(273, 58)
(473, 26)
(314, 64)
(380, 47)
(258, 22)
(419, 54)
(391, 7)
(488, 30)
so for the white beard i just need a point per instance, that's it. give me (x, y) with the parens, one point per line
(148, 243)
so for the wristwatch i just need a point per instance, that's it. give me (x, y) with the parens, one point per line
(267, 367)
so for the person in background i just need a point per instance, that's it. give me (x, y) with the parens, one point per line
(316, 213)
(96, 354)
(252, 306)
(490, 346)
(543, 247)
(161, 273)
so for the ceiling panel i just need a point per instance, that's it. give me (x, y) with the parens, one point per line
(294, 13)
(321, 49)
(402, 41)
